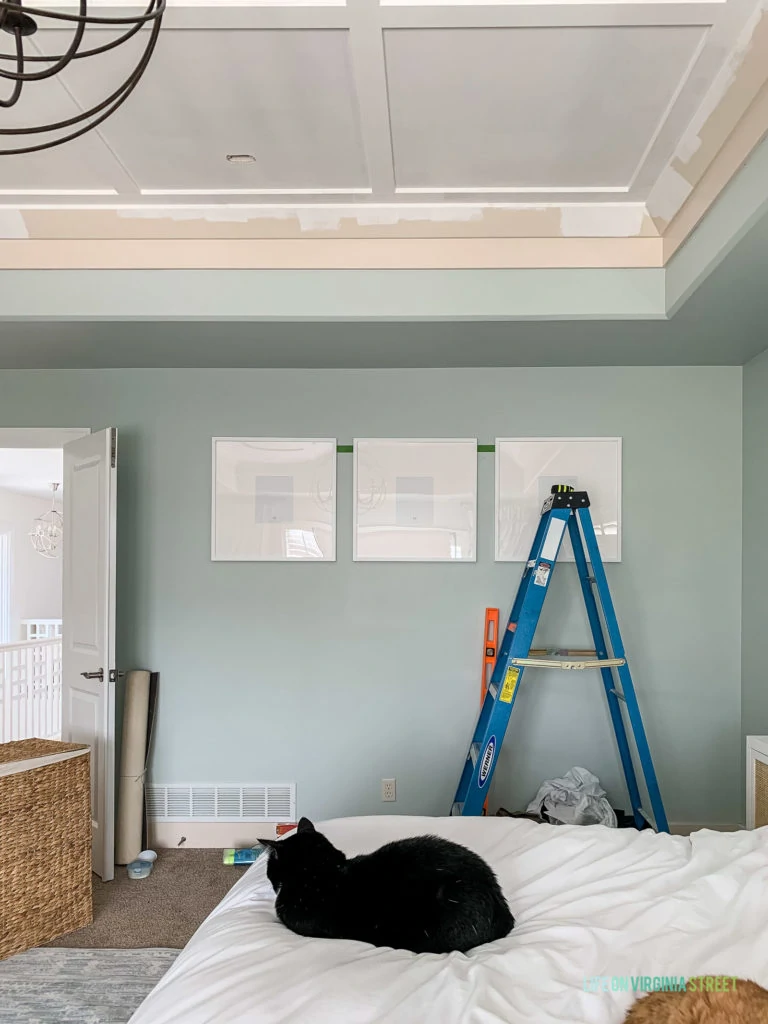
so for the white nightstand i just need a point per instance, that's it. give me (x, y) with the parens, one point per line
(757, 781)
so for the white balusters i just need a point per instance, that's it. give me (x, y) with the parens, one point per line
(30, 690)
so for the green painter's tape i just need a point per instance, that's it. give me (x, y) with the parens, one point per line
(347, 449)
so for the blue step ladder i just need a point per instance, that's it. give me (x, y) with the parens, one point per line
(564, 507)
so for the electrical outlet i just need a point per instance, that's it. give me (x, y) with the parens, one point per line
(388, 790)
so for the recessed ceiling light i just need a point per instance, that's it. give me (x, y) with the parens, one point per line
(241, 158)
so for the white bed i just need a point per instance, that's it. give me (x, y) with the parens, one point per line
(588, 902)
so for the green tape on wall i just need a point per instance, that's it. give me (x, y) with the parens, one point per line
(347, 449)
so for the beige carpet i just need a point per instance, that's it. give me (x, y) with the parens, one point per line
(163, 910)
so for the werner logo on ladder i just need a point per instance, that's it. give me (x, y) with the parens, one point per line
(565, 507)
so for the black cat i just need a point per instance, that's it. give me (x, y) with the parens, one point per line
(425, 894)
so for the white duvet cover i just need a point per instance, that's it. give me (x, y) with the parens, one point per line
(597, 910)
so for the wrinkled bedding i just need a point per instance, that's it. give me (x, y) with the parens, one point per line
(596, 909)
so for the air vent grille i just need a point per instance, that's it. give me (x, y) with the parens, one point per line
(202, 802)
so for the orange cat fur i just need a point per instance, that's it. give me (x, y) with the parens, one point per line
(743, 1003)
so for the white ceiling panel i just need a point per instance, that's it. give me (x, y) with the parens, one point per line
(536, 108)
(82, 165)
(286, 97)
(384, 103)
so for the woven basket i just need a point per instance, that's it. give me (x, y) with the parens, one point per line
(45, 844)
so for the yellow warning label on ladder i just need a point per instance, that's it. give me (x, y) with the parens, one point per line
(509, 684)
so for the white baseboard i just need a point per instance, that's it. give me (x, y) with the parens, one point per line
(684, 828)
(220, 835)
(203, 835)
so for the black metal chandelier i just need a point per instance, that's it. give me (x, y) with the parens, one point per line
(21, 23)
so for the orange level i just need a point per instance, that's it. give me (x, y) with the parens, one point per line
(490, 650)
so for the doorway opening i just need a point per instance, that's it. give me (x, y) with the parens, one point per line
(31, 586)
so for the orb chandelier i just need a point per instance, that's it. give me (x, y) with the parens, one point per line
(48, 530)
(26, 65)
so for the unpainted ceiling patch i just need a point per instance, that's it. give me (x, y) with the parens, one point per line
(379, 216)
(688, 146)
(12, 224)
(585, 220)
(320, 220)
(725, 103)
(473, 221)
(668, 195)
(736, 69)
(748, 78)
(727, 74)
(722, 82)
(318, 217)
(622, 220)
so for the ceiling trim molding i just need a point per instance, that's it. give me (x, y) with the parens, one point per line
(741, 205)
(312, 221)
(389, 227)
(728, 101)
(741, 146)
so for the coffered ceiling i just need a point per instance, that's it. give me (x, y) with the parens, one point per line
(583, 134)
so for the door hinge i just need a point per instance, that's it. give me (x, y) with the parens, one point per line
(113, 448)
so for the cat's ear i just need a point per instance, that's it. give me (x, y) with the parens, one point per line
(305, 825)
(269, 844)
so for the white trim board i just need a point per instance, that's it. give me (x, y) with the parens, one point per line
(227, 835)
(40, 437)
(197, 835)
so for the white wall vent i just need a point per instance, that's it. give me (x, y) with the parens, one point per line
(199, 801)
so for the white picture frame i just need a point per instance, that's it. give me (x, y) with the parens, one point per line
(526, 467)
(273, 499)
(414, 500)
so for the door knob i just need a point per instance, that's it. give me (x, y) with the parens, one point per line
(94, 675)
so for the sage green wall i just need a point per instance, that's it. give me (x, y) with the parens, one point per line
(755, 594)
(336, 675)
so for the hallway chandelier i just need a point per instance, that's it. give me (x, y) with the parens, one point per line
(26, 65)
(48, 530)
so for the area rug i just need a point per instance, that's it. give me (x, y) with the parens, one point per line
(79, 986)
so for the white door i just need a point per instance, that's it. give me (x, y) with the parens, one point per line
(88, 613)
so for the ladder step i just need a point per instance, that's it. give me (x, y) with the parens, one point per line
(582, 663)
(494, 689)
(619, 695)
(474, 753)
(457, 809)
